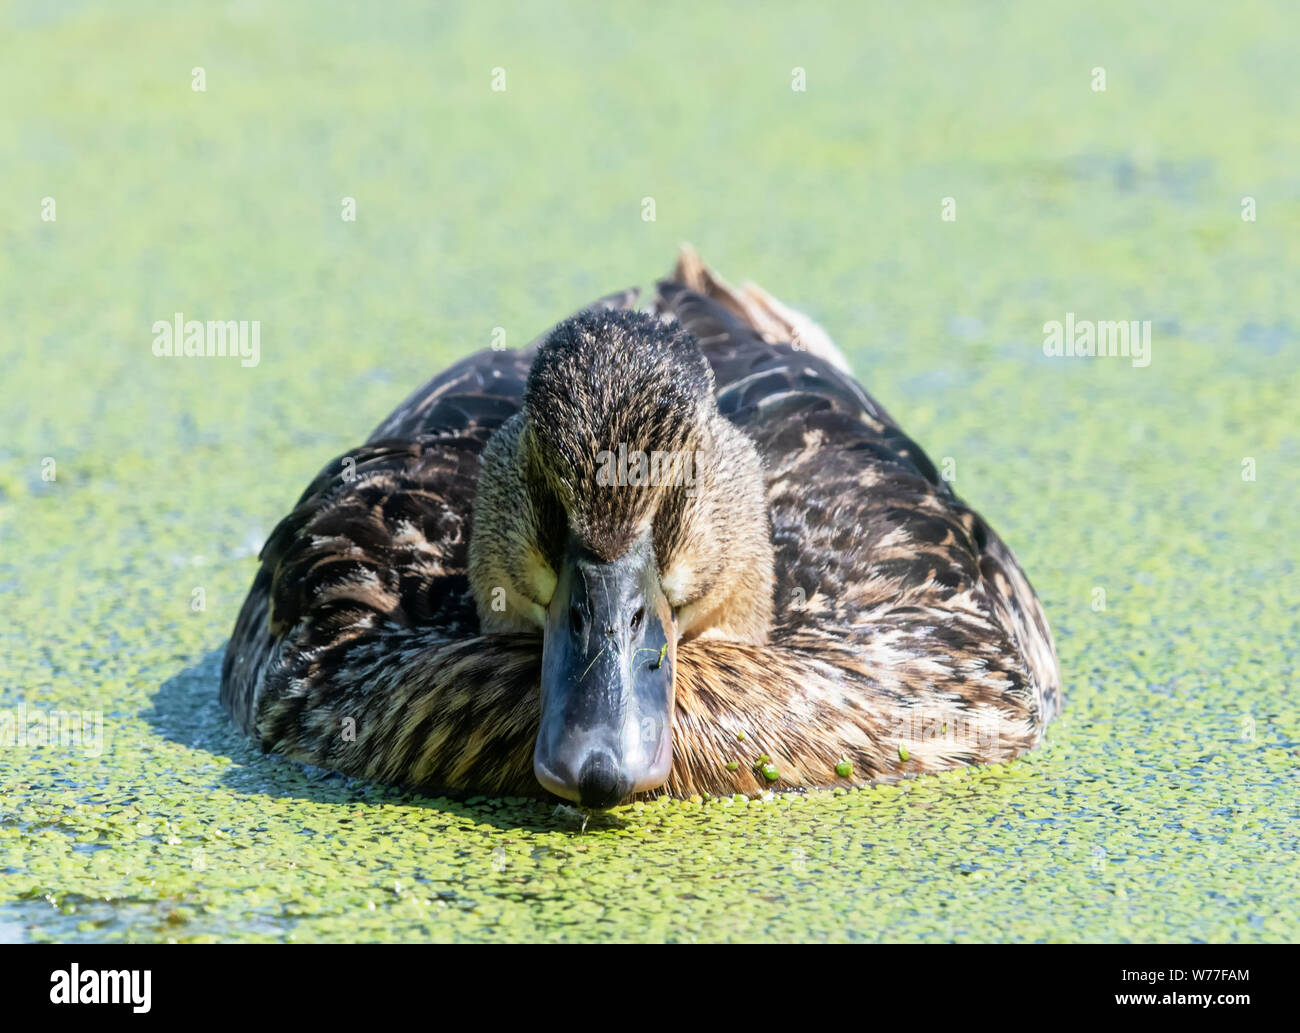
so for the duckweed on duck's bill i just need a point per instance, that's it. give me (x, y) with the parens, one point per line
(809, 576)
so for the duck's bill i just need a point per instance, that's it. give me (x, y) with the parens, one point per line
(608, 662)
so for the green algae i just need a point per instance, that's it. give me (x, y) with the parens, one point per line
(1164, 803)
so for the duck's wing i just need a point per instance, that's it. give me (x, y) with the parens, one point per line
(485, 389)
(894, 599)
(765, 382)
(380, 537)
(358, 646)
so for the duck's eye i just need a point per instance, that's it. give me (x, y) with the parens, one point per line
(637, 618)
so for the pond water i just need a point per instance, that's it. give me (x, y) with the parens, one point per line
(1153, 507)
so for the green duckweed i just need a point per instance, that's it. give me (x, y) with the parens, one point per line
(1175, 610)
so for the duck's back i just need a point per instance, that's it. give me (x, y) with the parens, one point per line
(870, 540)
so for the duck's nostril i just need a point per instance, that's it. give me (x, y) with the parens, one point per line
(598, 782)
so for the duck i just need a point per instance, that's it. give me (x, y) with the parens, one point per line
(672, 549)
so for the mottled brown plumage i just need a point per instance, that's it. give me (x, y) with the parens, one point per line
(837, 602)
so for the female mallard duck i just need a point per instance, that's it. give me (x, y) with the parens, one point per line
(678, 551)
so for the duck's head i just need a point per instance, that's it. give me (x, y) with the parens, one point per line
(618, 513)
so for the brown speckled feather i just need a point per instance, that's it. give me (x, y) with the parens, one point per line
(906, 638)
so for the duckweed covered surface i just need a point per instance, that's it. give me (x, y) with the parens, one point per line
(1164, 804)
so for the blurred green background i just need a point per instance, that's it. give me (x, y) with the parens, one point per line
(1165, 803)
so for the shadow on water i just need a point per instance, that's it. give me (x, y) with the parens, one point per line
(187, 710)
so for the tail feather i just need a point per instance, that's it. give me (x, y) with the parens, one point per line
(770, 318)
